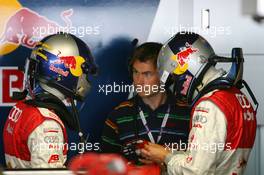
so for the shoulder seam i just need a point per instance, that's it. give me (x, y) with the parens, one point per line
(124, 104)
(43, 112)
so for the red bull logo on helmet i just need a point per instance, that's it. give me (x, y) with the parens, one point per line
(182, 58)
(68, 61)
(73, 63)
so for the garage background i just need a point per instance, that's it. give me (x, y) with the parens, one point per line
(110, 26)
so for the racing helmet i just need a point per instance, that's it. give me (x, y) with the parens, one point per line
(63, 62)
(185, 58)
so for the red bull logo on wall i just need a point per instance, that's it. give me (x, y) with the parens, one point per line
(183, 57)
(26, 27)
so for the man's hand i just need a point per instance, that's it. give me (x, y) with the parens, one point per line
(154, 152)
(146, 162)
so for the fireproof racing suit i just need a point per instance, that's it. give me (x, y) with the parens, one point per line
(222, 135)
(34, 138)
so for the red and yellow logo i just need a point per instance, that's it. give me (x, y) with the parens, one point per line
(182, 58)
(22, 26)
(74, 63)
(7, 10)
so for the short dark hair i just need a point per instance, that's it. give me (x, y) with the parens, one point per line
(148, 51)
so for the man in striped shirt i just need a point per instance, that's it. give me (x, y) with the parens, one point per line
(152, 115)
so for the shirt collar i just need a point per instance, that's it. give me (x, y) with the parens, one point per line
(169, 100)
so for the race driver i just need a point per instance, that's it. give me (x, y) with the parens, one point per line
(56, 75)
(223, 124)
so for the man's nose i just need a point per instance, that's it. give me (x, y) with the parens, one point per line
(140, 79)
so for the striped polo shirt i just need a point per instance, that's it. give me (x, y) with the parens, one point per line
(124, 124)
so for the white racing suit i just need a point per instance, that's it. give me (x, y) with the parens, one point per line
(222, 135)
(34, 138)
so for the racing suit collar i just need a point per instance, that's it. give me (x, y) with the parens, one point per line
(211, 75)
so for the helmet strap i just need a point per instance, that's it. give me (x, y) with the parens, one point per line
(49, 101)
(77, 119)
